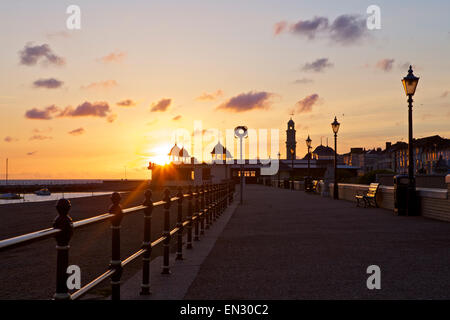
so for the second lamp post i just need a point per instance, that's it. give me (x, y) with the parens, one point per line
(335, 126)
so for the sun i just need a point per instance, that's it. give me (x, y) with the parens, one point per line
(160, 154)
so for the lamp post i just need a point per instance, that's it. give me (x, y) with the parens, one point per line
(308, 179)
(241, 133)
(335, 126)
(292, 166)
(410, 84)
(279, 156)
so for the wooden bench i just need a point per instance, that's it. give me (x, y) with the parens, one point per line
(370, 198)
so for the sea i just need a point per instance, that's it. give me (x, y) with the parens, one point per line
(44, 182)
(30, 197)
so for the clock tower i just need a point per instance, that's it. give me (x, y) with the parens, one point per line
(290, 141)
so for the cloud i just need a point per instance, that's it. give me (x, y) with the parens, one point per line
(176, 118)
(49, 129)
(87, 109)
(101, 85)
(317, 66)
(50, 83)
(385, 64)
(31, 153)
(126, 103)
(111, 118)
(310, 28)
(303, 81)
(348, 28)
(117, 57)
(279, 27)
(305, 105)
(31, 55)
(77, 132)
(445, 94)
(161, 105)
(345, 29)
(210, 96)
(59, 34)
(10, 139)
(40, 137)
(247, 101)
(45, 114)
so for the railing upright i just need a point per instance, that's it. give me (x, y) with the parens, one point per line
(197, 210)
(189, 216)
(63, 222)
(202, 210)
(116, 264)
(180, 225)
(207, 206)
(166, 233)
(146, 244)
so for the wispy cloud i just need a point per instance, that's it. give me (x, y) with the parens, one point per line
(126, 103)
(43, 114)
(306, 104)
(50, 83)
(176, 118)
(101, 85)
(59, 34)
(113, 57)
(87, 109)
(318, 65)
(303, 81)
(310, 28)
(210, 96)
(77, 132)
(31, 55)
(40, 137)
(385, 64)
(346, 29)
(161, 105)
(10, 139)
(279, 27)
(31, 153)
(247, 101)
(445, 94)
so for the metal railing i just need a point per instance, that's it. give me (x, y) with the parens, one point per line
(205, 204)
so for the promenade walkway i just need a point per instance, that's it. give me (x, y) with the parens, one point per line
(284, 244)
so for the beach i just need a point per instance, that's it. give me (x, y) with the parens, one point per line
(28, 272)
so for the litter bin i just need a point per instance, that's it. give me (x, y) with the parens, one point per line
(308, 184)
(401, 183)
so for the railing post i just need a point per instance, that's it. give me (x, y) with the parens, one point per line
(207, 206)
(202, 210)
(146, 244)
(189, 216)
(63, 222)
(215, 201)
(180, 225)
(116, 264)
(225, 196)
(230, 192)
(197, 205)
(166, 232)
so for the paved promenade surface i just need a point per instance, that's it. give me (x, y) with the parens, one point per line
(284, 244)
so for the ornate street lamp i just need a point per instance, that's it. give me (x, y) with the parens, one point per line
(410, 84)
(241, 132)
(308, 179)
(335, 126)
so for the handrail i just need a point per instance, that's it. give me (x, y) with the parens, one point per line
(35, 236)
(205, 204)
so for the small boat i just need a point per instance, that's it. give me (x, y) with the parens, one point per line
(9, 196)
(42, 192)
